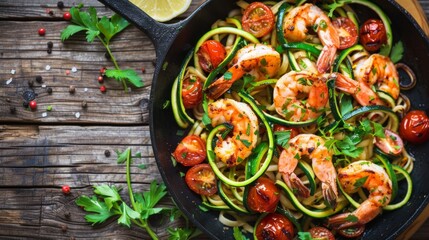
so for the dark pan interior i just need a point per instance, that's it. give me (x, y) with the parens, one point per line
(165, 132)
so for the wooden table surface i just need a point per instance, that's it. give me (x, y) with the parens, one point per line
(41, 150)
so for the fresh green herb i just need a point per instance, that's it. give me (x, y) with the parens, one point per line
(360, 182)
(245, 142)
(378, 130)
(166, 104)
(104, 29)
(397, 52)
(227, 75)
(238, 235)
(282, 137)
(107, 202)
(304, 236)
(346, 104)
(323, 25)
(351, 218)
(142, 166)
(304, 81)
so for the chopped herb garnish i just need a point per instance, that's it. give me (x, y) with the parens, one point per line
(360, 182)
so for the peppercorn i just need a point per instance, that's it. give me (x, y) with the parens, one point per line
(49, 51)
(84, 104)
(30, 83)
(50, 12)
(42, 31)
(100, 79)
(67, 214)
(33, 105)
(107, 153)
(72, 89)
(103, 89)
(64, 228)
(39, 79)
(25, 104)
(65, 189)
(12, 109)
(49, 90)
(50, 44)
(102, 70)
(60, 4)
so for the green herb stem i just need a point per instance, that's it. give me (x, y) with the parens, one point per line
(142, 222)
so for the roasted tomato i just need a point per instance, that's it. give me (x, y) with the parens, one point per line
(190, 151)
(373, 35)
(275, 226)
(321, 233)
(258, 19)
(210, 55)
(414, 127)
(392, 144)
(201, 179)
(263, 196)
(353, 232)
(347, 31)
(192, 91)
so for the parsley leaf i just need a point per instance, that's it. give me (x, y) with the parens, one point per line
(109, 193)
(304, 236)
(282, 137)
(351, 218)
(127, 74)
(145, 202)
(95, 206)
(127, 215)
(397, 52)
(360, 182)
(238, 235)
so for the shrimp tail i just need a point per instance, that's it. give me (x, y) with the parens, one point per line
(326, 58)
(218, 87)
(341, 221)
(330, 195)
(363, 94)
(294, 183)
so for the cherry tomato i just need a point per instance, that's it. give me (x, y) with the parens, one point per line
(263, 196)
(391, 144)
(42, 31)
(414, 127)
(275, 226)
(67, 16)
(258, 19)
(321, 233)
(373, 35)
(353, 232)
(33, 105)
(201, 179)
(210, 55)
(347, 31)
(65, 189)
(190, 151)
(192, 91)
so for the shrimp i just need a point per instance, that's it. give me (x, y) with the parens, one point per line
(300, 96)
(234, 149)
(313, 147)
(371, 177)
(363, 94)
(295, 29)
(380, 71)
(259, 60)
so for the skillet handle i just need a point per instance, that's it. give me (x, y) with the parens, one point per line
(161, 35)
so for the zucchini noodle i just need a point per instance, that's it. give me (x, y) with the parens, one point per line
(351, 130)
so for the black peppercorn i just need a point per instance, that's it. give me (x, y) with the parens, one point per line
(50, 44)
(49, 90)
(39, 79)
(12, 109)
(60, 4)
(49, 51)
(30, 83)
(25, 104)
(84, 104)
(107, 153)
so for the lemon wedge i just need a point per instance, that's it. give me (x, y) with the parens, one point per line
(163, 10)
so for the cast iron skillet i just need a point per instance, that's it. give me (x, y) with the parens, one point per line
(173, 41)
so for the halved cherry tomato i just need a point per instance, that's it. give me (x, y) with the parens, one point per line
(373, 35)
(258, 19)
(263, 196)
(353, 232)
(210, 55)
(392, 144)
(192, 91)
(190, 151)
(321, 233)
(201, 179)
(275, 226)
(414, 127)
(347, 31)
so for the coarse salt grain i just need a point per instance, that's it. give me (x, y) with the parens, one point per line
(85, 89)
(13, 71)
(48, 67)
(45, 114)
(9, 81)
(77, 115)
(44, 85)
(74, 69)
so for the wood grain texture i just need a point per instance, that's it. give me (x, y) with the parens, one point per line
(40, 154)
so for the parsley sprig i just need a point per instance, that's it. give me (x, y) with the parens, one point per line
(107, 202)
(104, 29)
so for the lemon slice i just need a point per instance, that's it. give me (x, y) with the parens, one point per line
(163, 10)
